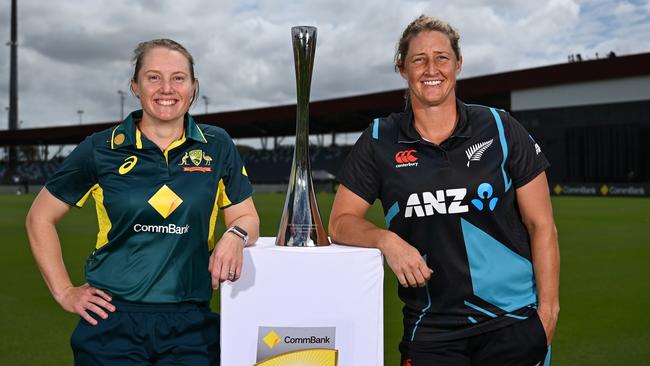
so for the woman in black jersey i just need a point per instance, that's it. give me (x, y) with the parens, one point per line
(470, 231)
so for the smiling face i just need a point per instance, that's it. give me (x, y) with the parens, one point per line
(430, 68)
(164, 85)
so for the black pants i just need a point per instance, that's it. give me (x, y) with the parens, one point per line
(519, 344)
(147, 335)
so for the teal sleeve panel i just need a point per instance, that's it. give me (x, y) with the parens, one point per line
(76, 175)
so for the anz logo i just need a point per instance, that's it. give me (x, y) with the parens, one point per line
(449, 201)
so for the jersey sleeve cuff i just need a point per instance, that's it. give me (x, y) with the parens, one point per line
(61, 198)
(366, 197)
(525, 180)
(239, 199)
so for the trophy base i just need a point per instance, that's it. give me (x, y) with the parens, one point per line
(303, 235)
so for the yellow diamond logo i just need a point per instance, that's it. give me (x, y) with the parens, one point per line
(272, 339)
(604, 190)
(558, 189)
(165, 201)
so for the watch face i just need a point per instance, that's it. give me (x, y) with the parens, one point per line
(240, 230)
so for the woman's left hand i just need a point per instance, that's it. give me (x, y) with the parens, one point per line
(228, 255)
(534, 203)
(226, 259)
(549, 321)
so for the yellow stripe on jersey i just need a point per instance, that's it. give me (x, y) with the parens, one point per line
(83, 199)
(173, 145)
(213, 219)
(220, 200)
(223, 197)
(243, 171)
(103, 220)
(202, 135)
(138, 138)
(113, 138)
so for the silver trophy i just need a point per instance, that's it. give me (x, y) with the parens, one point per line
(301, 225)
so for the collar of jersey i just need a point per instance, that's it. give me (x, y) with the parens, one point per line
(132, 136)
(408, 133)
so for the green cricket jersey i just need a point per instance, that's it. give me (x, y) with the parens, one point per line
(156, 209)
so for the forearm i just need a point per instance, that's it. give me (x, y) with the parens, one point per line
(245, 216)
(349, 226)
(546, 262)
(46, 248)
(353, 230)
(251, 224)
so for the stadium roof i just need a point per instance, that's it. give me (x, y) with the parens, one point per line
(354, 113)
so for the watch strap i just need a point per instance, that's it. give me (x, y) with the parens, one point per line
(239, 232)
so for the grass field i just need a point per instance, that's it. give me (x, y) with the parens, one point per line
(605, 287)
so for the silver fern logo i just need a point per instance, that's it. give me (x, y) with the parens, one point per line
(475, 152)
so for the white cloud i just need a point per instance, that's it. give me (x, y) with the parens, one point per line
(624, 8)
(76, 55)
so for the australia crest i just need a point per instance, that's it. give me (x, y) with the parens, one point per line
(196, 161)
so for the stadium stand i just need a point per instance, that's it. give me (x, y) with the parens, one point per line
(263, 166)
(590, 119)
(274, 166)
(34, 172)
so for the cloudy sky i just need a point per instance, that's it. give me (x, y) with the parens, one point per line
(75, 55)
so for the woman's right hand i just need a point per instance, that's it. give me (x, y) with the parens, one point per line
(80, 300)
(40, 222)
(348, 226)
(405, 261)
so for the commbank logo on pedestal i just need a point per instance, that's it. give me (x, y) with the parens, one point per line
(308, 346)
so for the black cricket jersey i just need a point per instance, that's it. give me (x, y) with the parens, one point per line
(156, 210)
(455, 202)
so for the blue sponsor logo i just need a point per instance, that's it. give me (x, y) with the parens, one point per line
(485, 192)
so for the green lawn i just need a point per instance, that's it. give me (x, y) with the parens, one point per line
(605, 245)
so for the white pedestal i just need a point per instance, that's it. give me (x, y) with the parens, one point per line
(329, 287)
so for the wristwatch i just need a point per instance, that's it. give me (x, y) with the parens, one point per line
(239, 232)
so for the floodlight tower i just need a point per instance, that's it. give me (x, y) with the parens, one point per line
(206, 100)
(13, 85)
(122, 97)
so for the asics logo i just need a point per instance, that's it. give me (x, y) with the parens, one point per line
(405, 157)
(448, 201)
(128, 165)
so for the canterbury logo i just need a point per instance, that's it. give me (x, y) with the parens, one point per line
(405, 157)
(128, 165)
(475, 152)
